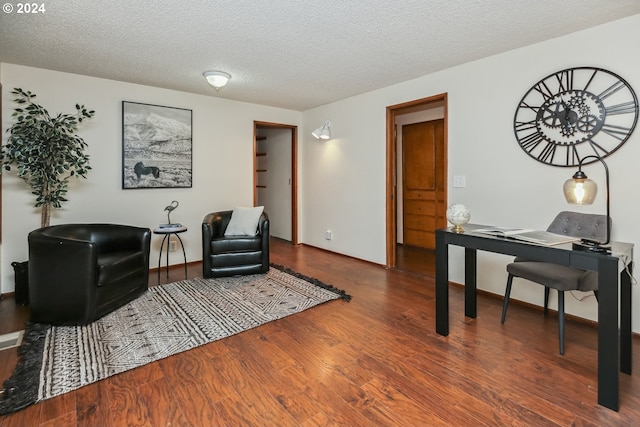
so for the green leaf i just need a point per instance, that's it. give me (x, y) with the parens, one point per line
(44, 149)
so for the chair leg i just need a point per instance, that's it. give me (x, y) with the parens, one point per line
(507, 292)
(561, 320)
(546, 300)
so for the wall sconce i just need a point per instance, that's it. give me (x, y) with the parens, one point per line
(580, 190)
(324, 131)
(217, 79)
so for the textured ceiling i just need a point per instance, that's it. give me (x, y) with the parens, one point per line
(287, 53)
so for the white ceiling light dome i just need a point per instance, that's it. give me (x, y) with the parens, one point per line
(217, 79)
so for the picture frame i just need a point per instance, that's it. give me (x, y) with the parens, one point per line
(157, 146)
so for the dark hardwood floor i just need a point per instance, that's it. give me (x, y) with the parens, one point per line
(412, 259)
(374, 361)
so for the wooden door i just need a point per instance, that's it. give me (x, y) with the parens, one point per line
(423, 182)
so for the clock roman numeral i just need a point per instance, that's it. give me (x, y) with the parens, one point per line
(611, 90)
(544, 90)
(590, 79)
(618, 132)
(598, 149)
(530, 141)
(548, 153)
(530, 107)
(624, 108)
(565, 80)
(572, 155)
(522, 126)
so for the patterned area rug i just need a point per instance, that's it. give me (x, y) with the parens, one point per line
(165, 320)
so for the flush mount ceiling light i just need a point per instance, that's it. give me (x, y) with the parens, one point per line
(324, 131)
(217, 79)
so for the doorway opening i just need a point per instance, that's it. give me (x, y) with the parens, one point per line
(416, 182)
(275, 177)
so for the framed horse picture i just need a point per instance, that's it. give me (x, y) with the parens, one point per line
(156, 146)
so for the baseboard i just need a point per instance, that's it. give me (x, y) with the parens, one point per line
(180, 265)
(533, 306)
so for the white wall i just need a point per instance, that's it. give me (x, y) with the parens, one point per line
(343, 180)
(222, 160)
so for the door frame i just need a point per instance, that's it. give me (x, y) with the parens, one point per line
(392, 157)
(294, 171)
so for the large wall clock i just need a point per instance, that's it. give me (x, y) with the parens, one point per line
(575, 113)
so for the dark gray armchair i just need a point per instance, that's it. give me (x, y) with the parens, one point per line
(80, 272)
(233, 255)
(560, 277)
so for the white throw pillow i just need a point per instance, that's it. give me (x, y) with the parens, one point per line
(244, 221)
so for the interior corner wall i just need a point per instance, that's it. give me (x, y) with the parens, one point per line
(344, 179)
(222, 151)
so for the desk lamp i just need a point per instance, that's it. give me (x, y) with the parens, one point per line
(580, 190)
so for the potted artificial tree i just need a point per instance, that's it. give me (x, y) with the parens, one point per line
(45, 152)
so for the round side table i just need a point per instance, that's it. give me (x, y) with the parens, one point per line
(167, 232)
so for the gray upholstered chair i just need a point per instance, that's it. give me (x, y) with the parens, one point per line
(559, 277)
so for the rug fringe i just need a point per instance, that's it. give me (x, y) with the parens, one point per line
(313, 281)
(21, 389)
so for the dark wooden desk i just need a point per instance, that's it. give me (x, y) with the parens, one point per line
(614, 346)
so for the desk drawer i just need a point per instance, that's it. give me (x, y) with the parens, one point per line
(423, 239)
(419, 207)
(420, 222)
(419, 194)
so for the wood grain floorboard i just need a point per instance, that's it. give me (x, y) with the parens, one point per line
(375, 361)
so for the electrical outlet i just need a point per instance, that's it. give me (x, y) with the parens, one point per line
(173, 246)
(328, 234)
(459, 181)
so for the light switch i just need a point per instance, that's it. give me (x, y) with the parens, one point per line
(459, 181)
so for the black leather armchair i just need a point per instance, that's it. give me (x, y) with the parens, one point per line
(233, 255)
(80, 272)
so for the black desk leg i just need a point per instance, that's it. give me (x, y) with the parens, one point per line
(608, 350)
(470, 284)
(626, 338)
(442, 285)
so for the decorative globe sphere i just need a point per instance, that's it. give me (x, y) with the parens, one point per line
(458, 215)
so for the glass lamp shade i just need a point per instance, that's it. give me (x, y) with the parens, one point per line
(580, 191)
